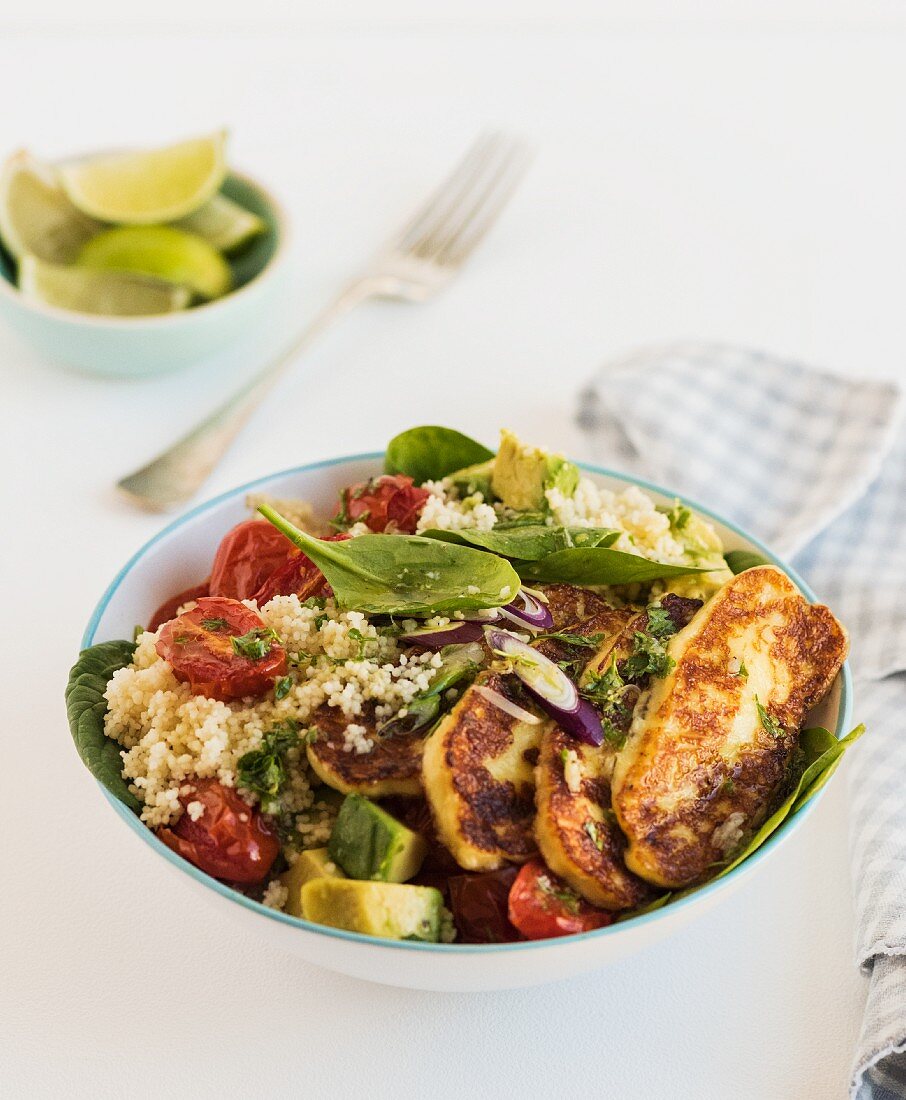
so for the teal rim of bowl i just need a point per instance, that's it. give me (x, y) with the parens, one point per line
(844, 717)
(272, 247)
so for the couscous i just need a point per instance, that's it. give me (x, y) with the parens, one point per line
(486, 700)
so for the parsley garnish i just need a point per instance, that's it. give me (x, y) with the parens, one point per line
(648, 658)
(254, 645)
(567, 898)
(679, 515)
(607, 691)
(263, 770)
(589, 641)
(660, 625)
(768, 724)
(282, 687)
(743, 673)
(214, 624)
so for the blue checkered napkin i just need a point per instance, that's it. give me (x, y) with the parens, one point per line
(815, 465)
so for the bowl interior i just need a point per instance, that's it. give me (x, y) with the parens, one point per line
(180, 556)
(249, 262)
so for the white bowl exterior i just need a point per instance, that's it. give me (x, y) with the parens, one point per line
(159, 570)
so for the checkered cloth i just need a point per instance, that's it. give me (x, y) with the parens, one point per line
(816, 466)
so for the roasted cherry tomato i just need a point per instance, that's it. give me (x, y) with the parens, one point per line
(479, 906)
(169, 608)
(389, 503)
(222, 649)
(297, 576)
(229, 840)
(246, 557)
(542, 905)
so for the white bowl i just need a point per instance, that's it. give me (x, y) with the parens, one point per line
(181, 555)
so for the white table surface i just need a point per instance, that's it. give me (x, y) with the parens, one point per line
(739, 184)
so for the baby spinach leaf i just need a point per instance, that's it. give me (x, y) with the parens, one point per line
(430, 452)
(86, 707)
(740, 560)
(529, 543)
(405, 574)
(599, 565)
(821, 753)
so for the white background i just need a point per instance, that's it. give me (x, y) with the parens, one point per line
(710, 171)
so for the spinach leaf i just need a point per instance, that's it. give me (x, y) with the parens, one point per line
(821, 753)
(740, 560)
(531, 542)
(599, 565)
(405, 574)
(86, 707)
(430, 452)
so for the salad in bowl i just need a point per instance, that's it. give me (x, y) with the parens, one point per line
(481, 700)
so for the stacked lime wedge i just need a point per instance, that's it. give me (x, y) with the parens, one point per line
(126, 235)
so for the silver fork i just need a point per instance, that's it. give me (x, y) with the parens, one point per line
(419, 262)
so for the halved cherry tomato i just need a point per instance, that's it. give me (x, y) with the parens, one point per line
(230, 840)
(542, 906)
(392, 502)
(479, 906)
(297, 576)
(246, 557)
(199, 647)
(169, 608)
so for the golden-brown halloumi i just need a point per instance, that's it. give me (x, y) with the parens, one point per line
(392, 767)
(575, 828)
(711, 743)
(478, 775)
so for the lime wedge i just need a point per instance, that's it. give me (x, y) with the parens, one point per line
(224, 224)
(36, 216)
(160, 185)
(109, 293)
(162, 252)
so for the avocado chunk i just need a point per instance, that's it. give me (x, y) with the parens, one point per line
(386, 909)
(474, 479)
(522, 474)
(370, 844)
(311, 864)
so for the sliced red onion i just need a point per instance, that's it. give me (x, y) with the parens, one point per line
(528, 611)
(507, 705)
(436, 637)
(550, 685)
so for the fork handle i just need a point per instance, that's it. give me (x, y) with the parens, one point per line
(179, 472)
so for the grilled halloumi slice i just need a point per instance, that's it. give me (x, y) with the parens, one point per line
(711, 743)
(568, 603)
(392, 767)
(576, 829)
(478, 775)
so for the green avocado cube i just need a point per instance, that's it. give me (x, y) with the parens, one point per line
(386, 909)
(310, 864)
(370, 844)
(522, 474)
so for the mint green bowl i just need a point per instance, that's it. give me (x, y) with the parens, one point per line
(134, 346)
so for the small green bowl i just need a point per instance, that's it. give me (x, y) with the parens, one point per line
(133, 346)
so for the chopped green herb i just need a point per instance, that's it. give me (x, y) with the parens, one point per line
(648, 658)
(728, 786)
(263, 770)
(564, 756)
(137, 632)
(321, 620)
(587, 641)
(768, 724)
(314, 602)
(283, 687)
(678, 515)
(743, 672)
(607, 691)
(567, 898)
(254, 645)
(214, 624)
(182, 639)
(660, 625)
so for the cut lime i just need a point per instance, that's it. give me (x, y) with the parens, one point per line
(160, 185)
(224, 224)
(36, 216)
(163, 252)
(105, 292)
